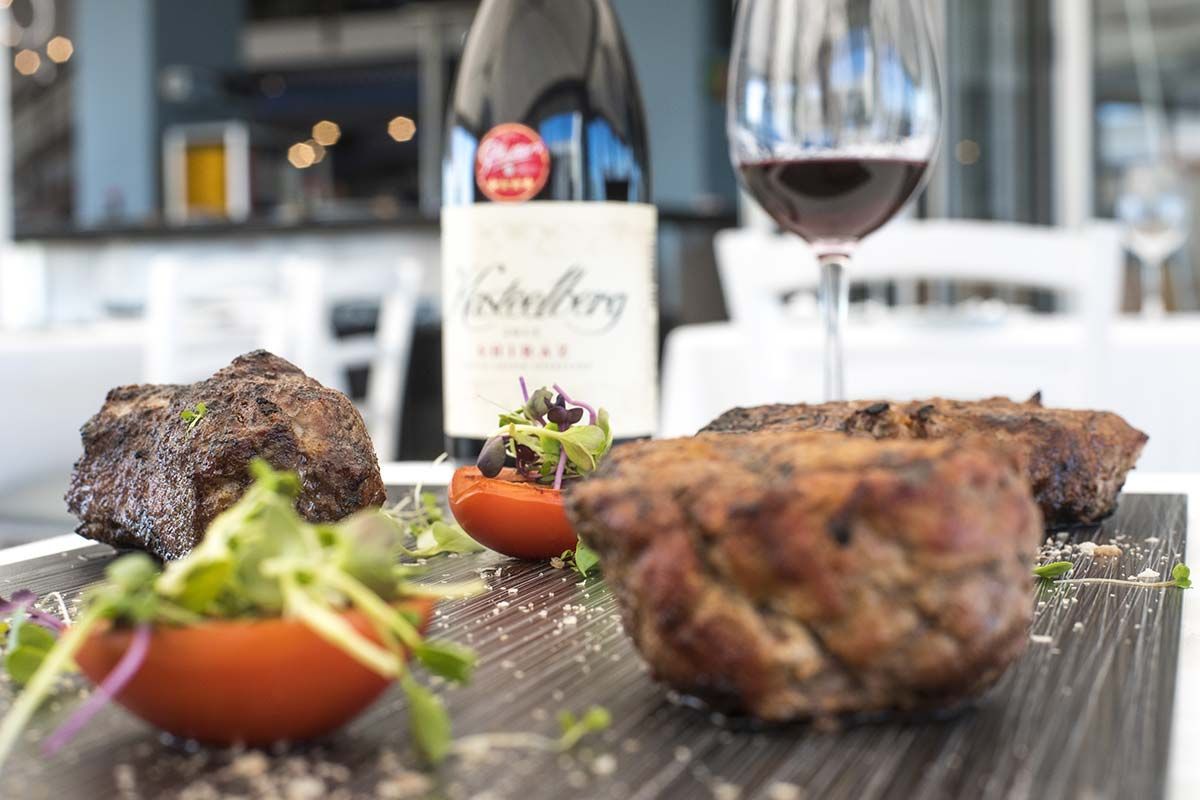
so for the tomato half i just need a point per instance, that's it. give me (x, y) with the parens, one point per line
(511, 515)
(252, 682)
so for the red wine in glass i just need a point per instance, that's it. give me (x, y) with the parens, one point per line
(833, 199)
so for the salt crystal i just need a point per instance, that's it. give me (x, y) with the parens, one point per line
(1088, 548)
(726, 791)
(605, 764)
(1148, 575)
(1041, 639)
(780, 790)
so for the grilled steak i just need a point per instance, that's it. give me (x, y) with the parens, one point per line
(1076, 461)
(795, 575)
(147, 480)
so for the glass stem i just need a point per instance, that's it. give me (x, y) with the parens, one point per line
(1152, 287)
(835, 300)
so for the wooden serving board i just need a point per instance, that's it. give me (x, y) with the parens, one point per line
(1085, 713)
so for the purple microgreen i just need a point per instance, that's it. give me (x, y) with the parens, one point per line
(23, 600)
(524, 389)
(108, 689)
(564, 396)
(558, 472)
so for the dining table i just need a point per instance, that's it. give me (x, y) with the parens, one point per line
(1104, 703)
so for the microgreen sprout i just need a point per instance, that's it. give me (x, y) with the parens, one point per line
(546, 438)
(193, 415)
(582, 559)
(1053, 572)
(594, 720)
(572, 731)
(1055, 569)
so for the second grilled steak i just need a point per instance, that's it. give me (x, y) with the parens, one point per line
(1076, 461)
(794, 575)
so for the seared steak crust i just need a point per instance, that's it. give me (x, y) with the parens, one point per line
(146, 481)
(1076, 461)
(795, 575)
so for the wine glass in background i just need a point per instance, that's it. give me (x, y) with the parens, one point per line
(834, 113)
(1153, 206)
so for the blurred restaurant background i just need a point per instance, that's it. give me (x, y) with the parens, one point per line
(183, 181)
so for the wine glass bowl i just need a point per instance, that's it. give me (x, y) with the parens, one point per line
(834, 115)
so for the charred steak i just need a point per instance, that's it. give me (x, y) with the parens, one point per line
(148, 480)
(1076, 461)
(796, 575)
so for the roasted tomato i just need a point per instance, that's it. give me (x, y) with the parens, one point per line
(510, 514)
(252, 682)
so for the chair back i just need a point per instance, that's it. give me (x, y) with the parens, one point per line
(759, 269)
(302, 330)
(205, 305)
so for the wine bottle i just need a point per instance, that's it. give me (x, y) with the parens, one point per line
(548, 234)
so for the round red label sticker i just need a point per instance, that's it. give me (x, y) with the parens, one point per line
(512, 163)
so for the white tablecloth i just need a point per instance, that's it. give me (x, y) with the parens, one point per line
(1148, 371)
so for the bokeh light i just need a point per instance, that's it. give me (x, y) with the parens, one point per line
(301, 155)
(60, 49)
(27, 62)
(326, 133)
(402, 129)
(318, 150)
(967, 152)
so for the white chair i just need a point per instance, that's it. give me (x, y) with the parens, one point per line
(758, 269)
(302, 330)
(205, 305)
(764, 357)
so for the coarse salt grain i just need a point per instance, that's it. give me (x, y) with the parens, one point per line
(723, 790)
(1088, 548)
(1038, 638)
(1148, 575)
(605, 764)
(779, 790)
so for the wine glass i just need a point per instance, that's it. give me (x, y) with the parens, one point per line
(834, 113)
(1154, 208)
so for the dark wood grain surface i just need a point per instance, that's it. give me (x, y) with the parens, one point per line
(1085, 713)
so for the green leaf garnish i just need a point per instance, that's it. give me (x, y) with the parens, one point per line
(428, 722)
(26, 648)
(585, 559)
(594, 720)
(447, 660)
(1182, 576)
(1055, 569)
(193, 415)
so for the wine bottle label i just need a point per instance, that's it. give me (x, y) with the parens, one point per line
(512, 164)
(557, 292)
